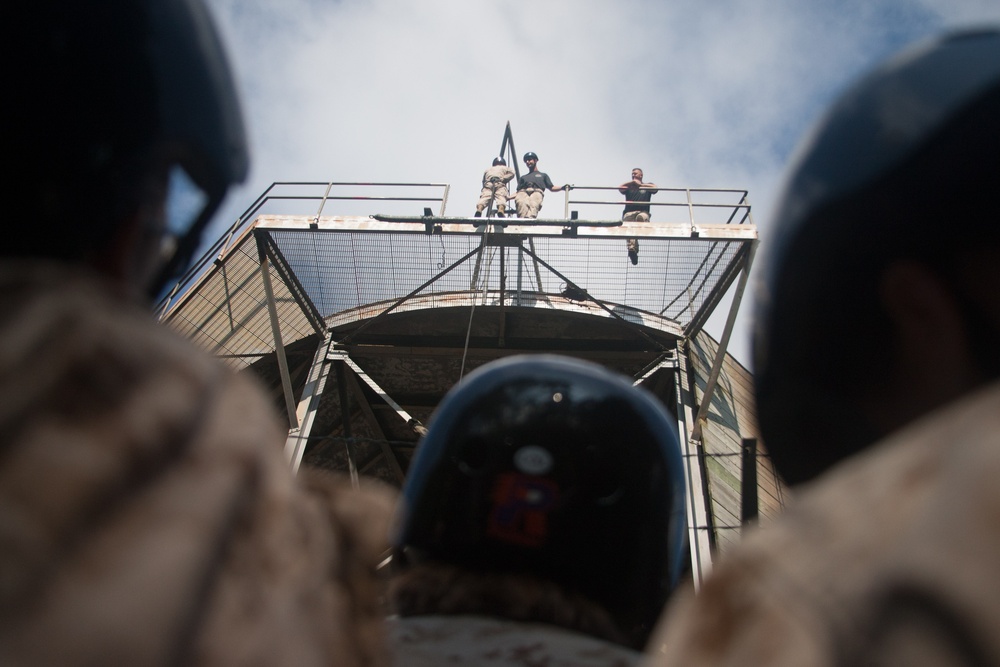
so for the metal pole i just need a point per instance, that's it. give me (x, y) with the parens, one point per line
(323, 202)
(298, 438)
(444, 198)
(345, 418)
(699, 541)
(749, 509)
(690, 211)
(279, 347)
(713, 379)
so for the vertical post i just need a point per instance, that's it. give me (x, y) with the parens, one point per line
(444, 199)
(690, 212)
(345, 418)
(749, 510)
(699, 540)
(520, 270)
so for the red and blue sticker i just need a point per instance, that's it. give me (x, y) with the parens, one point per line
(521, 506)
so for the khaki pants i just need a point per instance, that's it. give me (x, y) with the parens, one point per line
(528, 202)
(499, 199)
(634, 216)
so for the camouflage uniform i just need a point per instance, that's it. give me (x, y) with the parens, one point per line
(888, 559)
(147, 514)
(430, 641)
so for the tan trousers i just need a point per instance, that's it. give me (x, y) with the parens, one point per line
(499, 199)
(528, 202)
(634, 216)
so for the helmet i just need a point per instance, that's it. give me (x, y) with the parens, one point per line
(144, 89)
(910, 148)
(499, 160)
(530, 156)
(557, 468)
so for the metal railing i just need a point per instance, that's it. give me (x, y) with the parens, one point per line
(713, 205)
(295, 191)
(690, 206)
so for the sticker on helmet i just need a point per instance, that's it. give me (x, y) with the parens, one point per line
(521, 506)
(533, 460)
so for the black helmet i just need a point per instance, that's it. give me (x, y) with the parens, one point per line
(553, 467)
(112, 93)
(910, 149)
(499, 160)
(530, 156)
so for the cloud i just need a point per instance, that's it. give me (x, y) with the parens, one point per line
(699, 94)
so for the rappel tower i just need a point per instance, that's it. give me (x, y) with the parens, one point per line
(361, 304)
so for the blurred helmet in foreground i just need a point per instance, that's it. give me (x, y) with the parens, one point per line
(904, 166)
(557, 468)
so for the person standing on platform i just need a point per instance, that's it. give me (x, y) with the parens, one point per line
(531, 188)
(495, 180)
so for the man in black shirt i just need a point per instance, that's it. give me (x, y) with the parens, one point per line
(636, 191)
(531, 188)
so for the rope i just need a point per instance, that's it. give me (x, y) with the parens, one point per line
(486, 283)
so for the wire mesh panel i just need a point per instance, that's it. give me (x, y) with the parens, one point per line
(342, 270)
(228, 315)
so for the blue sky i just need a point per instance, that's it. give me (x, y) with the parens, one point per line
(699, 93)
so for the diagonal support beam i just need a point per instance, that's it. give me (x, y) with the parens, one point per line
(720, 353)
(665, 360)
(366, 408)
(279, 346)
(409, 296)
(298, 438)
(604, 307)
(340, 355)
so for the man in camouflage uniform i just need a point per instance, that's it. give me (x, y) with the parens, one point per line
(147, 514)
(877, 372)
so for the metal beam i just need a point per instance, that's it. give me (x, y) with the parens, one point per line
(542, 227)
(412, 294)
(292, 284)
(366, 409)
(699, 539)
(312, 392)
(657, 344)
(339, 355)
(279, 346)
(665, 360)
(720, 353)
(345, 419)
(749, 509)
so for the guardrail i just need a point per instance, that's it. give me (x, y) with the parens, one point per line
(685, 205)
(713, 205)
(296, 191)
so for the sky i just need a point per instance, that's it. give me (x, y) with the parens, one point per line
(699, 93)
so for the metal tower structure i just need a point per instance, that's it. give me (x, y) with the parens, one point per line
(360, 321)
